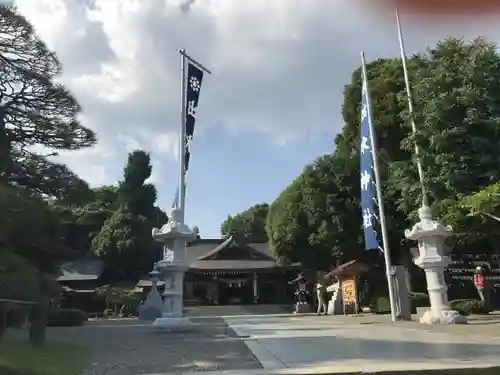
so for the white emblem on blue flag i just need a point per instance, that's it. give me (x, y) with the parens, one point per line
(366, 176)
(193, 88)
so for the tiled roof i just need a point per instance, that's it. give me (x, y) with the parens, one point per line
(231, 265)
(198, 255)
(82, 269)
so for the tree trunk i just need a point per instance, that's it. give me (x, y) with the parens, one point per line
(38, 322)
(5, 158)
(3, 320)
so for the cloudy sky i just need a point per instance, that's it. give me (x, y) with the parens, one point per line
(271, 105)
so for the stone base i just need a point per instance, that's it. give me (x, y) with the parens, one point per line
(302, 308)
(443, 317)
(149, 313)
(173, 324)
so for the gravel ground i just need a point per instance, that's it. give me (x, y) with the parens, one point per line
(129, 347)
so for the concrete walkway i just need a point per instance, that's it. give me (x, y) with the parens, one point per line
(287, 344)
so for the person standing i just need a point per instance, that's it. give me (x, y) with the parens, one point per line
(481, 287)
(320, 295)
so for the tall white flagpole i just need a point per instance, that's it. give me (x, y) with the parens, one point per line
(182, 140)
(378, 187)
(425, 202)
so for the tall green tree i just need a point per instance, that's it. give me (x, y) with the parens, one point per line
(250, 223)
(125, 240)
(330, 190)
(315, 220)
(34, 111)
(457, 91)
(83, 212)
(389, 103)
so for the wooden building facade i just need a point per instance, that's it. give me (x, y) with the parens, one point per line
(234, 271)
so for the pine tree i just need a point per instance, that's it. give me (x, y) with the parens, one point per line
(125, 240)
(34, 110)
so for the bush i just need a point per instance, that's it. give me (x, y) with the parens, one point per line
(66, 317)
(418, 300)
(469, 306)
(18, 278)
(382, 305)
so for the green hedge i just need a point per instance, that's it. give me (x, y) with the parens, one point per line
(418, 300)
(66, 318)
(469, 307)
(382, 305)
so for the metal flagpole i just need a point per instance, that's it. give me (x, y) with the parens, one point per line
(425, 202)
(182, 140)
(378, 188)
(183, 53)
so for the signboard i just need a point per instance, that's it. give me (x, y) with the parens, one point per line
(349, 296)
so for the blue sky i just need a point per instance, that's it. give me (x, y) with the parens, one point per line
(229, 173)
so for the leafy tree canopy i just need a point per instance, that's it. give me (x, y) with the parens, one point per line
(317, 204)
(457, 91)
(250, 223)
(456, 114)
(475, 219)
(30, 229)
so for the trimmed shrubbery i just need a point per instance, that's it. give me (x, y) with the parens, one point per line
(381, 304)
(418, 300)
(66, 317)
(469, 307)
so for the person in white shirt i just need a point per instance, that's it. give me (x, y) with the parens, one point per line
(320, 294)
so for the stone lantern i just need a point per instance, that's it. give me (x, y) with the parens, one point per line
(152, 307)
(433, 257)
(174, 235)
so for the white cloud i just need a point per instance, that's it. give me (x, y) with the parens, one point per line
(279, 66)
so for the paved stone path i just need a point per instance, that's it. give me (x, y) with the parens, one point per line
(366, 343)
(129, 348)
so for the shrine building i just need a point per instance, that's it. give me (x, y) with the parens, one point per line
(234, 271)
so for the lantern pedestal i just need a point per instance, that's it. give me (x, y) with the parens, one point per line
(433, 257)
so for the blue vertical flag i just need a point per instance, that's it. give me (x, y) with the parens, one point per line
(367, 182)
(193, 87)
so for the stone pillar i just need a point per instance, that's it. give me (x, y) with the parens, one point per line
(174, 235)
(255, 288)
(433, 257)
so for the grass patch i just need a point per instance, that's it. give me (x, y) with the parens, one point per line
(19, 357)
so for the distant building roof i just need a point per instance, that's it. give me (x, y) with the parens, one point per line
(349, 269)
(79, 270)
(225, 254)
(232, 253)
